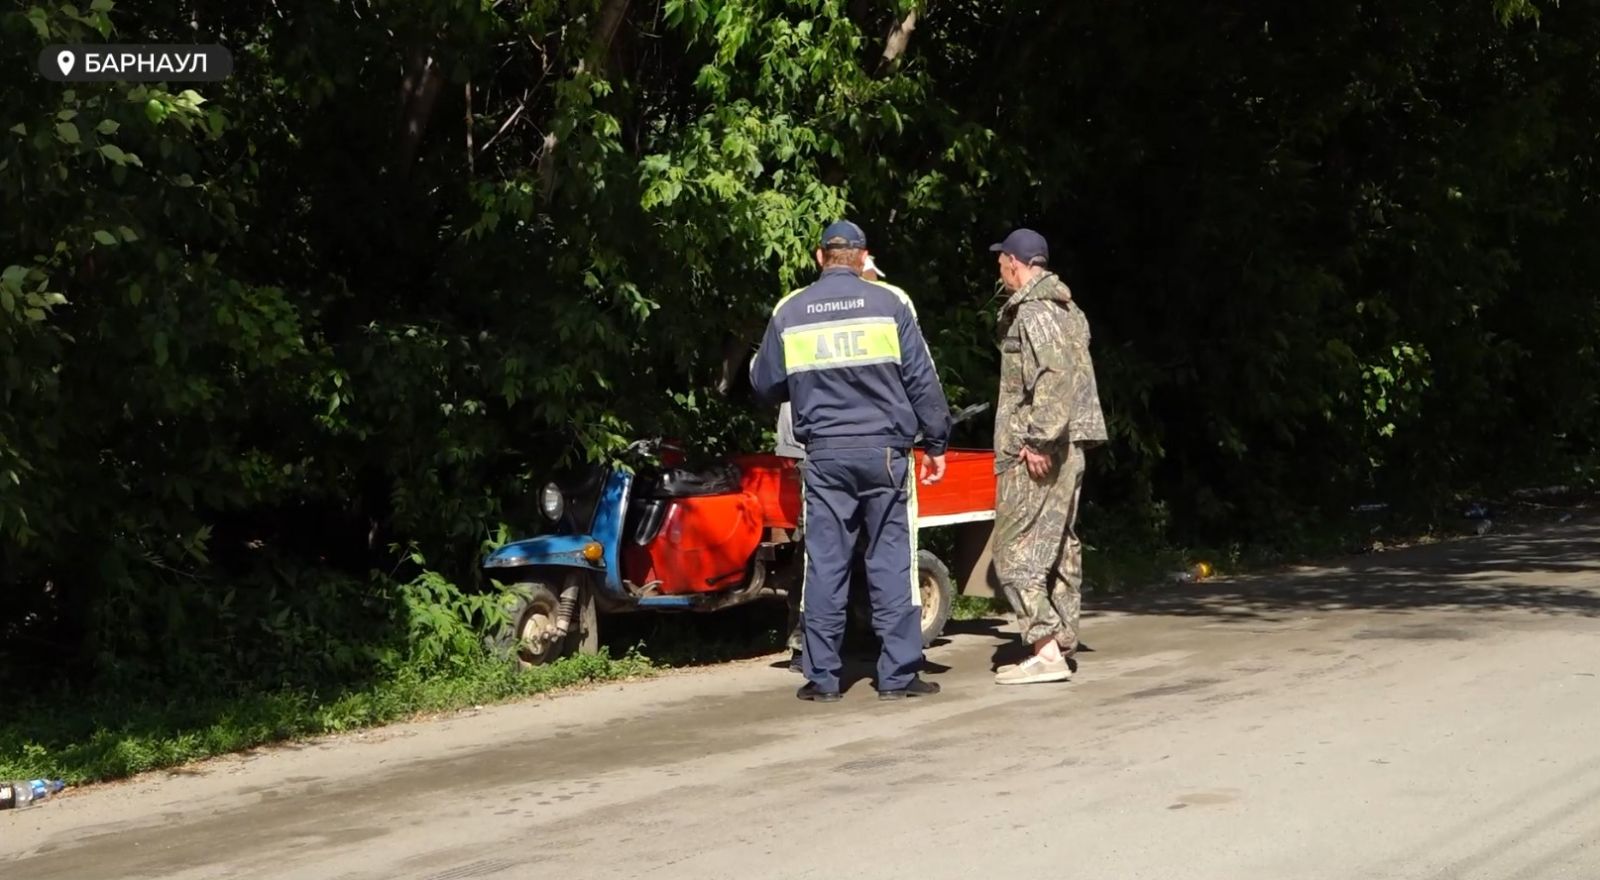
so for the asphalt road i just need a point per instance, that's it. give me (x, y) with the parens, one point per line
(1431, 713)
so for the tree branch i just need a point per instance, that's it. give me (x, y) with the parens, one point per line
(547, 166)
(507, 124)
(471, 163)
(899, 38)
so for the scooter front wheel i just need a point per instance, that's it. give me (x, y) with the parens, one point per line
(531, 634)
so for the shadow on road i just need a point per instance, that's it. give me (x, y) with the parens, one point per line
(1550, 570)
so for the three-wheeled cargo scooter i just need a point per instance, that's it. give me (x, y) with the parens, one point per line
(675, 539)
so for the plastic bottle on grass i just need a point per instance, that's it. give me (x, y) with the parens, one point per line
(22, 792)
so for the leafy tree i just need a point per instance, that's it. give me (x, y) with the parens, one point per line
(266, 337)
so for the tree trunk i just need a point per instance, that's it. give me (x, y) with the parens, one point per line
(419, 94)
(612, 15)
(610, 20)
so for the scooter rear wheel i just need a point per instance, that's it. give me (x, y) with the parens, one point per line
(937, 593)
(938, 596)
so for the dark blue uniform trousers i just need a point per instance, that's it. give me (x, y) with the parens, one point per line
(870, 493)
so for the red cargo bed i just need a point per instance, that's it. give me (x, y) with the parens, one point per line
(966, 494)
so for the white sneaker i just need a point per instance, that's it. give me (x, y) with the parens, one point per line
(1071, 667)
(1034, 670)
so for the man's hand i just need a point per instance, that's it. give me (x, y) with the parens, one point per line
(932, 469)
(1039, 464)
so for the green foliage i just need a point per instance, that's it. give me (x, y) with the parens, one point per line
(258, 335)
(976, 608)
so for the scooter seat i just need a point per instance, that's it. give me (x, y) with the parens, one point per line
(685, 483)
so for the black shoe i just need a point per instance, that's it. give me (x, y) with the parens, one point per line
(917, 688)
(817, 695)
(794, 662)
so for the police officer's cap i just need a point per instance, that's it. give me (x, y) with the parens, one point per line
(843, 234)
(1026, 245)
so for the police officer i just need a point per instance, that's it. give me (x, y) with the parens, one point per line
(850, 358)
(788, 447)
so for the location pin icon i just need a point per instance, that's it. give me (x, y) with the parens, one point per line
(65, 60)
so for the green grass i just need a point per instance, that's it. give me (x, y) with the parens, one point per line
(976, 608)
(112, 738)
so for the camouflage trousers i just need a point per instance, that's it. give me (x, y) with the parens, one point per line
(1037, 555)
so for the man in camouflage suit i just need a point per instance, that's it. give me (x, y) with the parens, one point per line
(1048, 415)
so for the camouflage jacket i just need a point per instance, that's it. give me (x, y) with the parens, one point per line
(1048, 393)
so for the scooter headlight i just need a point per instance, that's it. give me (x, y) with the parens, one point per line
(551, 502)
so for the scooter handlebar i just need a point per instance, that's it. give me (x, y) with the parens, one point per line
(651, 446)
(958, 417)
(968, 412)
